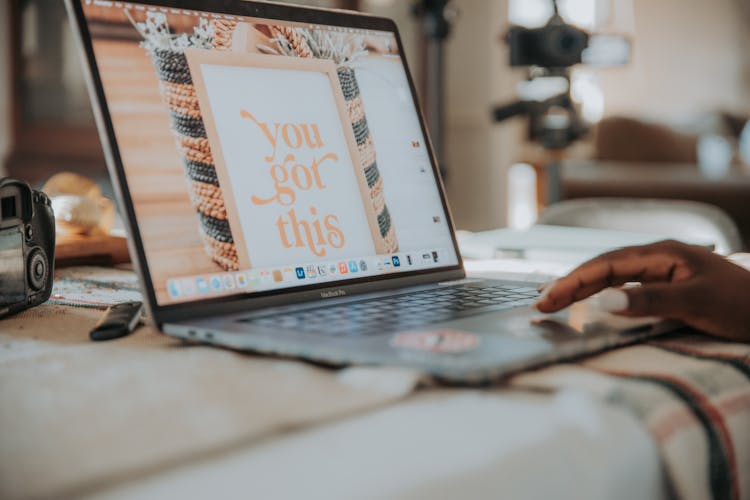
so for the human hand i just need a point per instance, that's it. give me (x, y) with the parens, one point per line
(678, 281)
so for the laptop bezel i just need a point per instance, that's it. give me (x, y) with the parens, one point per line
(160, 314)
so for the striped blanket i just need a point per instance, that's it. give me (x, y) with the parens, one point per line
(691, 392)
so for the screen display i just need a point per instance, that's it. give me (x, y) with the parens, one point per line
(262, 154)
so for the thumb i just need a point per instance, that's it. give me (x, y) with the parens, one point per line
(657, 299)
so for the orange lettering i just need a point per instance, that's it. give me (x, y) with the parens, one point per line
(281, 224)
(284, 194)
(298, 225)
(297, 136)
(316, 168)
(307, 184)
(316, 225)
(272, 138)
(318, 143)
(335, 235)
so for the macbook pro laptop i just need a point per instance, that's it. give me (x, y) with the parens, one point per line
(281, 194)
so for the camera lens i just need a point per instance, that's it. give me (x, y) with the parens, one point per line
(37, 269)
(564, 45)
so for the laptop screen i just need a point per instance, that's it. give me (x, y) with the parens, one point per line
(262, 154)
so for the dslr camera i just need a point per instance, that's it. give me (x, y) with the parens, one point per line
(27, 246)
(555, 45)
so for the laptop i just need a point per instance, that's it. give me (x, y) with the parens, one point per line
(281, 194)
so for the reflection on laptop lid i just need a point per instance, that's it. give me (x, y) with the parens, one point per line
(261, 154)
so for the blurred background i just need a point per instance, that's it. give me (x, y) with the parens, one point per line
(658, 108)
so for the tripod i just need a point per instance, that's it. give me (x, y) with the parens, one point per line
(435, 17)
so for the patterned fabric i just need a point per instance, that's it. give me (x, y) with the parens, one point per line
(176, 85)
(223, 30)
(366, 148)
(362, 134)
(692, 393)
(94, 287)
(295, 39)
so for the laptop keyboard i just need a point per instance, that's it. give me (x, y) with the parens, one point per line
(394, 312)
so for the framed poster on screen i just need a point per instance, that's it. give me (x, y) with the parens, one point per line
(285, 156)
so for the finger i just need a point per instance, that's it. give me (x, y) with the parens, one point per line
(665, 300)
(613, 269)
(667, 250)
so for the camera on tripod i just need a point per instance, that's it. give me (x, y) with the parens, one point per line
(555, 45)
(545, 96)
(27, 246)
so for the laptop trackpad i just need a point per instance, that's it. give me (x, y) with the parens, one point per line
(582, 319)
(521, 335)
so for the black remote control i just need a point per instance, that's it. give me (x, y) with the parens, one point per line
(118, 321)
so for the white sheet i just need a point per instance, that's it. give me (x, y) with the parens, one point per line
(438, 444)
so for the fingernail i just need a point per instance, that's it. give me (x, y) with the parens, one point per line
(535, 305)
(545, 286)
(613, 300)
(544, 291)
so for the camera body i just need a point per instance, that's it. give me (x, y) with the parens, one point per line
(555, 45)
(27, 246)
